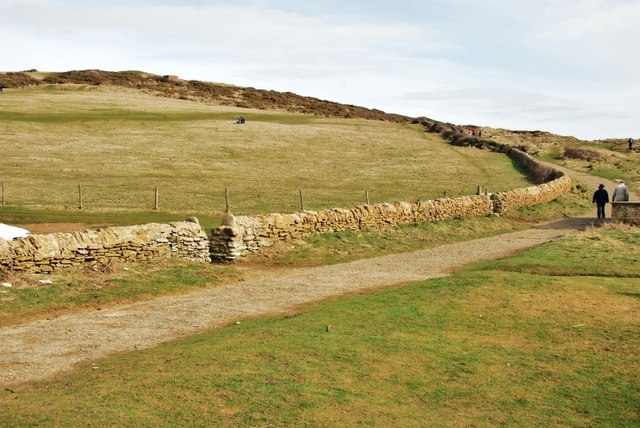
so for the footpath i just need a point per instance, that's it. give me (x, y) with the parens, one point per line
(45, 348)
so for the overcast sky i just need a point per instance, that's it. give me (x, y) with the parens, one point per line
(567, 66)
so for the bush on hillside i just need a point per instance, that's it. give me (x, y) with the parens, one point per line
(464, 140)
(449, 134)
(584, 154)
(96, 78)
(17, 80)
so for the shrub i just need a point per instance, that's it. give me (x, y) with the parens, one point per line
(17, 80)
(585, 154)
(449, 134)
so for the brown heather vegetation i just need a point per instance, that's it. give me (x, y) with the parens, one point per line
(17, 80)
(585, 154)
(195, 90)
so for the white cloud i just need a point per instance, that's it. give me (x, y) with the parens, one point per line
(526, 64)
(602, 31)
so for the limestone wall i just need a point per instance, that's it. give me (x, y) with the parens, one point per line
(626, 212)
(533, 195)
(246, 234)
(239, 236)
(57, 251)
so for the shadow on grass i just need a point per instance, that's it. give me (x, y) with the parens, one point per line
(635, 294)
(575, 223)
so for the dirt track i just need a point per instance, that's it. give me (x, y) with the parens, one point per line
(42, 349)
(45, 348)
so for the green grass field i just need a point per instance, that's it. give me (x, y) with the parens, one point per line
(532, 340)
(119, 145)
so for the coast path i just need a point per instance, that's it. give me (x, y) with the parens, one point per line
(44, 348)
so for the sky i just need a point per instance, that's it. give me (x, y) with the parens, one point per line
(570, 67)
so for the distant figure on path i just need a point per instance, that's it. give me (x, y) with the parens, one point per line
(601, 199)
(620, 193)
(630, 141)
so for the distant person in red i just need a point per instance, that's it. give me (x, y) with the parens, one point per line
(601, 199)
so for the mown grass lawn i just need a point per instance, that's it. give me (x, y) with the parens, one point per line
(531, 340)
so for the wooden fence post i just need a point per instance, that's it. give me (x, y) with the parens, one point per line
(226, 200)
(366, 196)
(79, 196)
(3, 201)
(157, 199)
(301, 202)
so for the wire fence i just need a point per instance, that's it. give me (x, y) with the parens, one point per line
(220, 198)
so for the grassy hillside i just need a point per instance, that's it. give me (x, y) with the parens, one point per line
(119, 144)
(194, 90)
(609, 159)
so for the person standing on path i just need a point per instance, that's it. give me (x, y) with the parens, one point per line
(620, 193)
(601, 199)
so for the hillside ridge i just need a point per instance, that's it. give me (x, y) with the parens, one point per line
(262, 99)
(195, 90)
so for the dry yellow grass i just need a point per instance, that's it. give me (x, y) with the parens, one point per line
(120, 144)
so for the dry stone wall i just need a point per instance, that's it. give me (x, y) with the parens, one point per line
(58, 251)
(626, 212)
(243, 234)
(513, 199)
(239, 236)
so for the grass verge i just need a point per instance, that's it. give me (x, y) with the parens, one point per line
(93, 289)
(343, 247)
(488, 346)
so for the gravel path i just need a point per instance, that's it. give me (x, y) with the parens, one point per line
(42, 349)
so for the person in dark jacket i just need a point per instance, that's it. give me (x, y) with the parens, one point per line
(601, 199)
